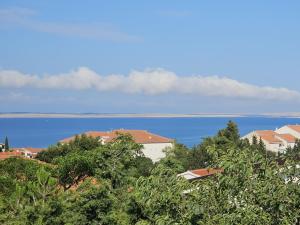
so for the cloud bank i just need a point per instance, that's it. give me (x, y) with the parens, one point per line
(23, 17)
(148, 82)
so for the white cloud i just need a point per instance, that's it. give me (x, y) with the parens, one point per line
(24, 18)
(149, 82)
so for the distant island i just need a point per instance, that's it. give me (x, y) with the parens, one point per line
(143, 115)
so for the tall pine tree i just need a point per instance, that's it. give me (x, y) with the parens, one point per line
(231, 132)
(6, 145)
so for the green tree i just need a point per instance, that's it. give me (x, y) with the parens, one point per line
(160, 199)
(34, 202)
(21, 169)
(293, 153)
(171, 163)
(241, 195)
(194, 158)
(85, 143)
(179, 153)
(231, 132)
(54, 152)
(80, 143)
(44, 187)
(254, 140)
(121, 186)
(7, 185)
(115, 160)
(142, 166)
(200, 157)
(262, 146)
(73, 168)
(91, 204)
(6, 145)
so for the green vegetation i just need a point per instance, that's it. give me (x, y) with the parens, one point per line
(79, 144)
(86, 182)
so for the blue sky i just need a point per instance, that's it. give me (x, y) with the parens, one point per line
(150, 56)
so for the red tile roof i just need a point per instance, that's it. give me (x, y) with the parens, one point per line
(199, 173)
(94, 134)
(266, 132)
(30, 149)
(5, 155)
(274, 138)
(139, 136)
(269, 136)
(295, 128)
(34, 150)
(287, 137)
(207, 171)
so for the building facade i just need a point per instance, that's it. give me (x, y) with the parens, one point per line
(2, 147)
(153, 144)
(278, 140)
(29, 152)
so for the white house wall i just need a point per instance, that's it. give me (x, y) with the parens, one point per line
(269, 147)
(286, 143)
(276, 147)
(250, 137)
(154, 151)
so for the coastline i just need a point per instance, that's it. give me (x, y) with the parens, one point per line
(144, 115)
(113, 115)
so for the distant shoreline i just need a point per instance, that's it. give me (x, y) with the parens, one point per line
(121, 115)
(143, 115)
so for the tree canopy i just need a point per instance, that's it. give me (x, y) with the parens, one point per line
(85, 182)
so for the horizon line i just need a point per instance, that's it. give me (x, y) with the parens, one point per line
(141, 115)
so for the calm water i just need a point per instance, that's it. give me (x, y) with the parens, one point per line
(43, 132)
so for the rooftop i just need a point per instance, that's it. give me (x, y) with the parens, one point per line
(295, 127)
(273, 137)
(287, 137)
(200, 173)
(5, 155)
(269, 136)
(139, 136)
(30, 149)
(206, 172)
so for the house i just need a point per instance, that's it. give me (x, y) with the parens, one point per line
(273, 141)
(290, 129)
(278, 140)
(29, 152)
(2, 147)
(6, 155)
(199, 173)
(153, 144)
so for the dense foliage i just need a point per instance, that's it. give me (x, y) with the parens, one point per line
(85, 182)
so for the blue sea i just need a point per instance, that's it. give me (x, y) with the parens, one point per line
(42, 132)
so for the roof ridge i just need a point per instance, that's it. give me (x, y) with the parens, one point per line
(140, 136)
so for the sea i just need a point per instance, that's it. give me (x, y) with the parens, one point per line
(43, 132)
